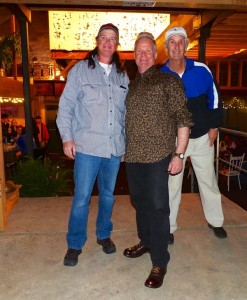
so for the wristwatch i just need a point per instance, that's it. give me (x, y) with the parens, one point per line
(180, 155)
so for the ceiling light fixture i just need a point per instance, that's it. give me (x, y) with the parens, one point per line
(139, 3)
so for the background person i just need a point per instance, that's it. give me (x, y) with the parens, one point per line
(43, 133)
(204, 104)
(41, 137)
(21, 143)
(91, 123)
(19, 131)
(5, 124)
(156, 113)
(14, 126)
(10, 137)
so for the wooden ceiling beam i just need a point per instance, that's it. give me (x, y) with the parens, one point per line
(193, 34)
(199, 4)
(227, 32)
(20, 11)
(5, 15)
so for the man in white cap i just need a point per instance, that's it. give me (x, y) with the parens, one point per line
(91, 123)
(204, 104)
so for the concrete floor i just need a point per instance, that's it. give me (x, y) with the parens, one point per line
(202, 267)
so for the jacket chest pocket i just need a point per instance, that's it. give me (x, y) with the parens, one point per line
(91, 93)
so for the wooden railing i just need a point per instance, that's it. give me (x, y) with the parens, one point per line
(229, 73)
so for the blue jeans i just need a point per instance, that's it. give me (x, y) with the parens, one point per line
(86, 170)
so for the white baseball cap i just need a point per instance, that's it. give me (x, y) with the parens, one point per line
(175, 31)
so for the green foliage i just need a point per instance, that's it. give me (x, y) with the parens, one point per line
(41, 179)
(8, 46)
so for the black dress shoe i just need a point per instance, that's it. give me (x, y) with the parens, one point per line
(71, 257)
(108, 245)
(171, 239)
(155, 278)
(219, 232)
(136, 251)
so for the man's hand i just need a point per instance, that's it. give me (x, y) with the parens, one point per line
(175, 166)
(69, 149)
(212, 134)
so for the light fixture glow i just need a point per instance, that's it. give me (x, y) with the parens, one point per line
(76, 30)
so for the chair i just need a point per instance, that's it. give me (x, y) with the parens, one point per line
(10, 160)
(234, 169)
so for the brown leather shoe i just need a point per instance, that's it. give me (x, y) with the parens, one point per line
(136, 251)
(155, 278)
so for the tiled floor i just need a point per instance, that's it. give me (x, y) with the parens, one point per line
(202, 267)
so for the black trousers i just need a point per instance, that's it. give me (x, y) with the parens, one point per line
(148, 186)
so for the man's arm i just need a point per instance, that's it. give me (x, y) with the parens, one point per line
(66, 113)
(68, 102)
(216, 116)
(176, 164)
(69, 149)
(212, 134)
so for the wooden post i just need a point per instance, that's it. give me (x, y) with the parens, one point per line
(3, 215)
(14, 53)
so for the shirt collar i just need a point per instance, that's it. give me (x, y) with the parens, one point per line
(148, 72)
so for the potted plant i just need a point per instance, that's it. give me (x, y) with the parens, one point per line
(41, 179)
(9, 45)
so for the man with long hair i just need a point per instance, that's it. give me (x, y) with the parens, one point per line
(91, 124)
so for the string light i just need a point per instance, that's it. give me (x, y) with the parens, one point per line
(234, 103)
(11, 100)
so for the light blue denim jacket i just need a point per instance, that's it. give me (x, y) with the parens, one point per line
(92, 110)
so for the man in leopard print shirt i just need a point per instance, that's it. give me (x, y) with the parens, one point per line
(156, 115)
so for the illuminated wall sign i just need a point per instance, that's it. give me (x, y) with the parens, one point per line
(71, 30)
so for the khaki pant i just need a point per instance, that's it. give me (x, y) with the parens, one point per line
(202, 159)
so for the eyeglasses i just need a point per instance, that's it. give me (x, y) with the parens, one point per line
(104, 38)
